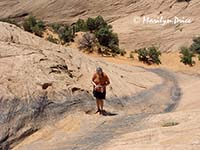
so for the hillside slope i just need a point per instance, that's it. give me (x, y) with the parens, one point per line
(122, 15)
(185, 135)
(41, 81)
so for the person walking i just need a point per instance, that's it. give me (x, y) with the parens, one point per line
(100, 80)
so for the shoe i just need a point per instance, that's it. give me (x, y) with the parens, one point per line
(103, 112)
(98, 111)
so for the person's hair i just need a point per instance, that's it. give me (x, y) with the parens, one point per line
(99, 69)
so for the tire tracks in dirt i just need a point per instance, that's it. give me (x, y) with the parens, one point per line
(161, 98)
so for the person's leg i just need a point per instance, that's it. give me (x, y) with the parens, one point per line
(98, 105)
(101, 104)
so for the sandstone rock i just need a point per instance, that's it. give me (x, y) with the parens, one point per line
(41, 81)
(133, 34)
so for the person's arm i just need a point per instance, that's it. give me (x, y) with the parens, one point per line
(93, 78)
(107, 81)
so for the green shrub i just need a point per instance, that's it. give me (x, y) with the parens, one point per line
(29, 23)
(143, 55)
(103, 33)
(113, 39)
(170, 124)
(114, 49)
(66, 34)
(36, 30)
(100, 23)
(50, 38)
(34, 26)
(80, 25)
(122, 52)
(149, 55)
(187, 56)
(41, 24)
(103, 36)
(39, 28)
(94, 24)
(196, 45)
(91, 24)
(56, 27)
(107, 38)
(154, 55)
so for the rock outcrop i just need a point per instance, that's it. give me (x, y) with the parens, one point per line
(43, 84)
(41, 81)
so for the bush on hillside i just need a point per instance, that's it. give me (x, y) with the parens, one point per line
(34, 26)
(66, 34)
(195, 47)
(170, 124)
(107, 38)
(113, 39)
(91, 24)
(104, 36)
(122, 52)
(56, 27)
(80, 25)
(50, 38)
(154, 55)
(94, 24)
(100, 23)
(87, 42)
(102, 31)
(187, 56)
(29, 23)
(143, 55)
(149, 55)
(39, 28)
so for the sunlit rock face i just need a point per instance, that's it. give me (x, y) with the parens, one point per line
(127, 18)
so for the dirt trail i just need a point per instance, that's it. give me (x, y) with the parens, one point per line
(130, 114)
(133, 122)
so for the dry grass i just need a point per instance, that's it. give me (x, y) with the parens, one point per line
(170, 124)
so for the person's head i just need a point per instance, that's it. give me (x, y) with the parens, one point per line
(99, 70)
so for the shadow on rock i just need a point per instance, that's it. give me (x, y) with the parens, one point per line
(106, 113)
